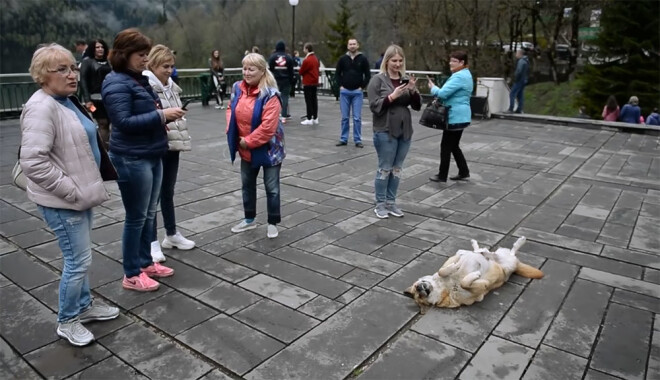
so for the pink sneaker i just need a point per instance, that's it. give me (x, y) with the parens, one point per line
(141, 283)
(157, 270)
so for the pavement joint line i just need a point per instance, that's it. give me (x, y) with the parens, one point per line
(567, 177)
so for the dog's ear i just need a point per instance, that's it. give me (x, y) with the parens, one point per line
(410, 292)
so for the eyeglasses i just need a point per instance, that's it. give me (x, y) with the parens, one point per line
(65, 71)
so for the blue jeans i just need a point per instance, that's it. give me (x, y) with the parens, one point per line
(170, 171)
(285, 91)
(249, 189)
(351, 99)
(391, 153)
(517, 94)
(139, 183)
(73, 230)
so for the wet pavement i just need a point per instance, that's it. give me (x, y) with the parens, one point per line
(324, 299)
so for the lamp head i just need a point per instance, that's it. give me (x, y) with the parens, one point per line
(293, 2)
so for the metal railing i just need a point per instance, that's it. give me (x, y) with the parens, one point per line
(16, 89)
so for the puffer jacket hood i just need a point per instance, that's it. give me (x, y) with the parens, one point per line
(178, 138)
(280, 46)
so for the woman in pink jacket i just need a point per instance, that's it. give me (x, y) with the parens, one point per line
(65, 164)
(611, 109)
(255, 130)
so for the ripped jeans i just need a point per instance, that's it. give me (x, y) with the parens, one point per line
(391, 153)
(73, 230)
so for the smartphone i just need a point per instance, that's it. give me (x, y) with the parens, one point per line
(405, 80)
(185, 104)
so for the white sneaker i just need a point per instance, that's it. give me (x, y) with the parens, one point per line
(244, 226)
(178, 241)
(283, 120)
(219, 107)
(316, 121)
(272, 231)
(156, 253)
(307, 122)
(75, 332)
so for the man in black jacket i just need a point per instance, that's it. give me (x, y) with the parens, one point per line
(352, 75)
(281, 65)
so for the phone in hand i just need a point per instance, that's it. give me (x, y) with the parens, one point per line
(405, 80)
(185, 104)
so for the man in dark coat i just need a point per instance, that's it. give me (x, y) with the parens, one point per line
(353, 76)
(281, 65)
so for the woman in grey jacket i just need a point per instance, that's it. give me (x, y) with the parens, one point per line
(65, 164)
(159, 71)
(390, 93)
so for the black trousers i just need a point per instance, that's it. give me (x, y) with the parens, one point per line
(448, 147)
(311, 101)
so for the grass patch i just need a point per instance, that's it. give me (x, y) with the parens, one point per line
(551, 99)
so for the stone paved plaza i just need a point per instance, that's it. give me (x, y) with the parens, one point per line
(324, 299)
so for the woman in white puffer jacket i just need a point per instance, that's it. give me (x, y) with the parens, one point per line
(159, 71)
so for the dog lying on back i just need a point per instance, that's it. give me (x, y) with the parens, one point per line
(468, 276)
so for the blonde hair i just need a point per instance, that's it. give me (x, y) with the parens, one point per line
(158, 55)
(267, 80)
(391, 51)
(44, 58)
(633, 100)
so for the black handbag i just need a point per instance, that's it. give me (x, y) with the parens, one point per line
(435, 115)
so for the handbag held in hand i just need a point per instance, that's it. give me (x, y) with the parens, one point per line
(435, 115)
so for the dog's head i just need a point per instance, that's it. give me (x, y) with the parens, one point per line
(420, 290)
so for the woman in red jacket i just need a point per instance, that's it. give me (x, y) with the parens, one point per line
(255, 130)
(309, 70)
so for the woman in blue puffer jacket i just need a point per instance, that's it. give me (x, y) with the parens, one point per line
(137, 143)
(456, 92)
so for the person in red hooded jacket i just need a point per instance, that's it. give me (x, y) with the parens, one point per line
(309, 70)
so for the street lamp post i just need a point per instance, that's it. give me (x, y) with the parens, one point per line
(293, 25)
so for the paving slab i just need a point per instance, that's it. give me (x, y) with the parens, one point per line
(276, 320)
(13, 366)
(174, 312)
(577, 324)
(240, 349)
(59, 359)
(19, 309)
(25, 271)
(528, 319)
(414, 356)
(337, 346)
(550, 364)
(616, 338)
(324, 299)
(498, 358)
(154, 355)
(109, 368)
(468, 327)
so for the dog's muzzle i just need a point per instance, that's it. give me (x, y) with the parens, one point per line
(423, 289)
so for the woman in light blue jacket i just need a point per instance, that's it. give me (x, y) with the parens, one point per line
(456, 92)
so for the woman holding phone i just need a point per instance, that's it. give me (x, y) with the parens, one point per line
(390, 93)
(159, 71)
(456, 93)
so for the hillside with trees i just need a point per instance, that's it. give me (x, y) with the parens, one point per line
(427, 30)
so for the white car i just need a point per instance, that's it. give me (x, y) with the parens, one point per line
(518, 45)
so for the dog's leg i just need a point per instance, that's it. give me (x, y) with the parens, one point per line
(517, 245)
(451, 265)
(475, 245)
(467, 281)
(423, 309)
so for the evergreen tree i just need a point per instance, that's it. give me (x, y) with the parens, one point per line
(340, 31)
(629, 38)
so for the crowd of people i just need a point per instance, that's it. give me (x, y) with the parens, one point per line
(131, 128)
